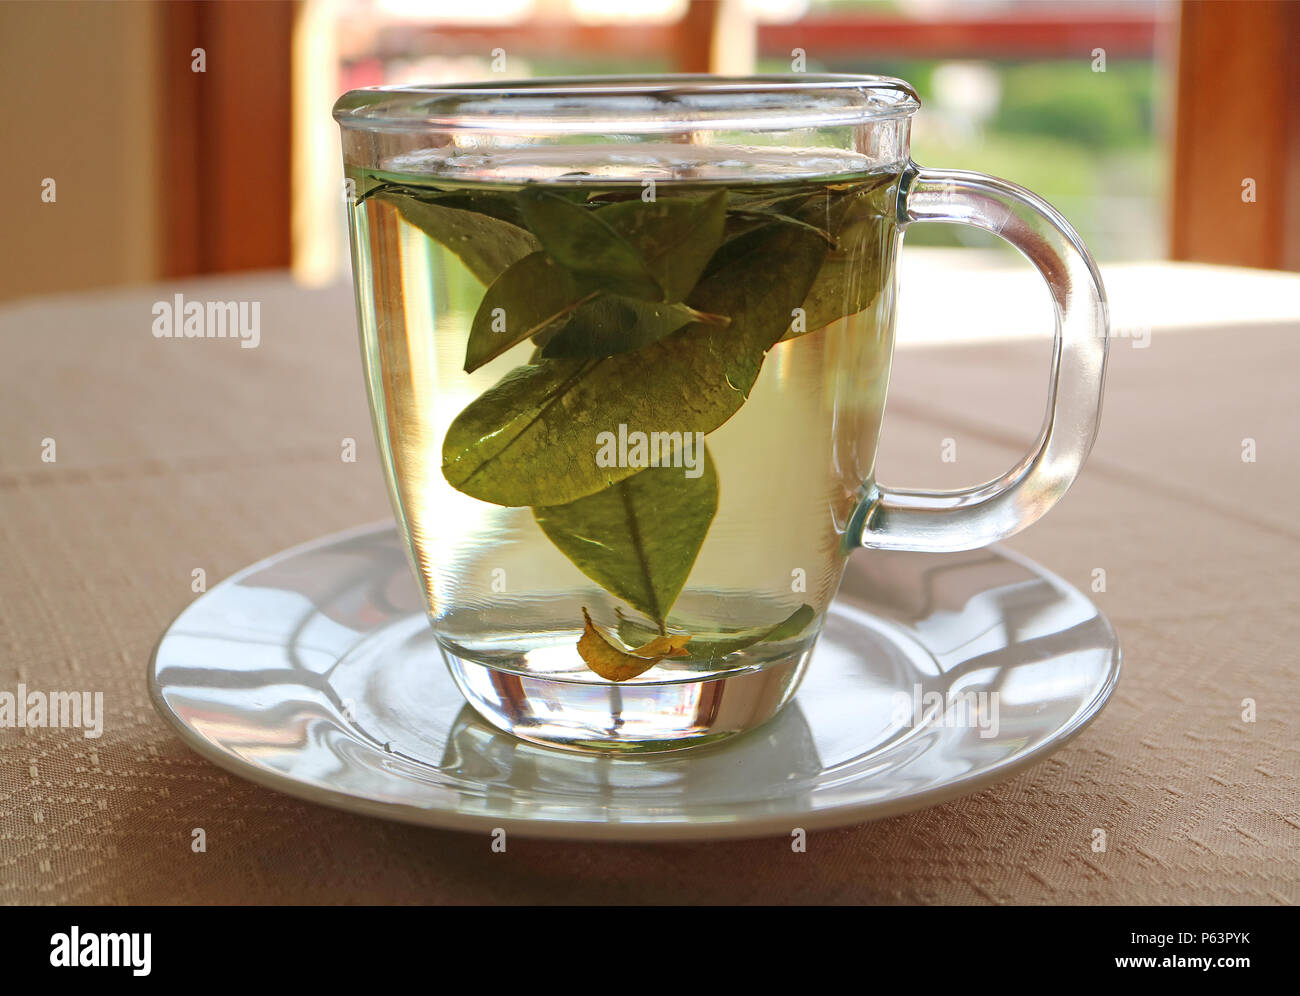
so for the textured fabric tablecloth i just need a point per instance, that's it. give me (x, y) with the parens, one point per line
(172, 455)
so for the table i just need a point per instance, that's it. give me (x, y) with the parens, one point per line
(173, 456)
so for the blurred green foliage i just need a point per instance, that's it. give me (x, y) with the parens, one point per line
(1071, 102)
(1089, 142)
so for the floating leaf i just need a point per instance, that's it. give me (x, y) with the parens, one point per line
(485, 244)
(675, 236)
(853, 274)
(532, 438)
(585, 245)
(610, 325)
(777, 198)
(532, 296)
(639, 539)
(602, 197)
(500, 206)
(503, 207)
(846, 285)
(715, 649)
(739, 222)
(615, 664)
(730, 254)
(652, 250)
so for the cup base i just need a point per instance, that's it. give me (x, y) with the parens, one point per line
(631, 718)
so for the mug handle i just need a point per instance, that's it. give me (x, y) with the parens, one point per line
(946, 521)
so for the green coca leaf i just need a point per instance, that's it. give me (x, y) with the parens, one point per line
(585, 245)
(532, 438)
(675, 236)
(610, 325)
(853, 273)
(534, 295)
(639, 539)
(653, 250)
(486, 244)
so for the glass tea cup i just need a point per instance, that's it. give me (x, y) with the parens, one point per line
(627, 343)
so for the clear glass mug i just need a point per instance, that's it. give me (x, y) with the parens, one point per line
(626, 342)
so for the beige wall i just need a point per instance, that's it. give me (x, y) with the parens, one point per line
(78, 104)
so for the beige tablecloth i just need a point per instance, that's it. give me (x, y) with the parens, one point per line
(176, 455)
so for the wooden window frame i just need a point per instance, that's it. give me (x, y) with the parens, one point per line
(1237, 119)
(225, 136)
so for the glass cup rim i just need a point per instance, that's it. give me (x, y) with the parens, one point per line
(662, 102)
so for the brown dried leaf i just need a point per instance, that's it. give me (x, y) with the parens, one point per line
(616, 664)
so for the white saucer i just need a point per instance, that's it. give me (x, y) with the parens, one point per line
(315, 672)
